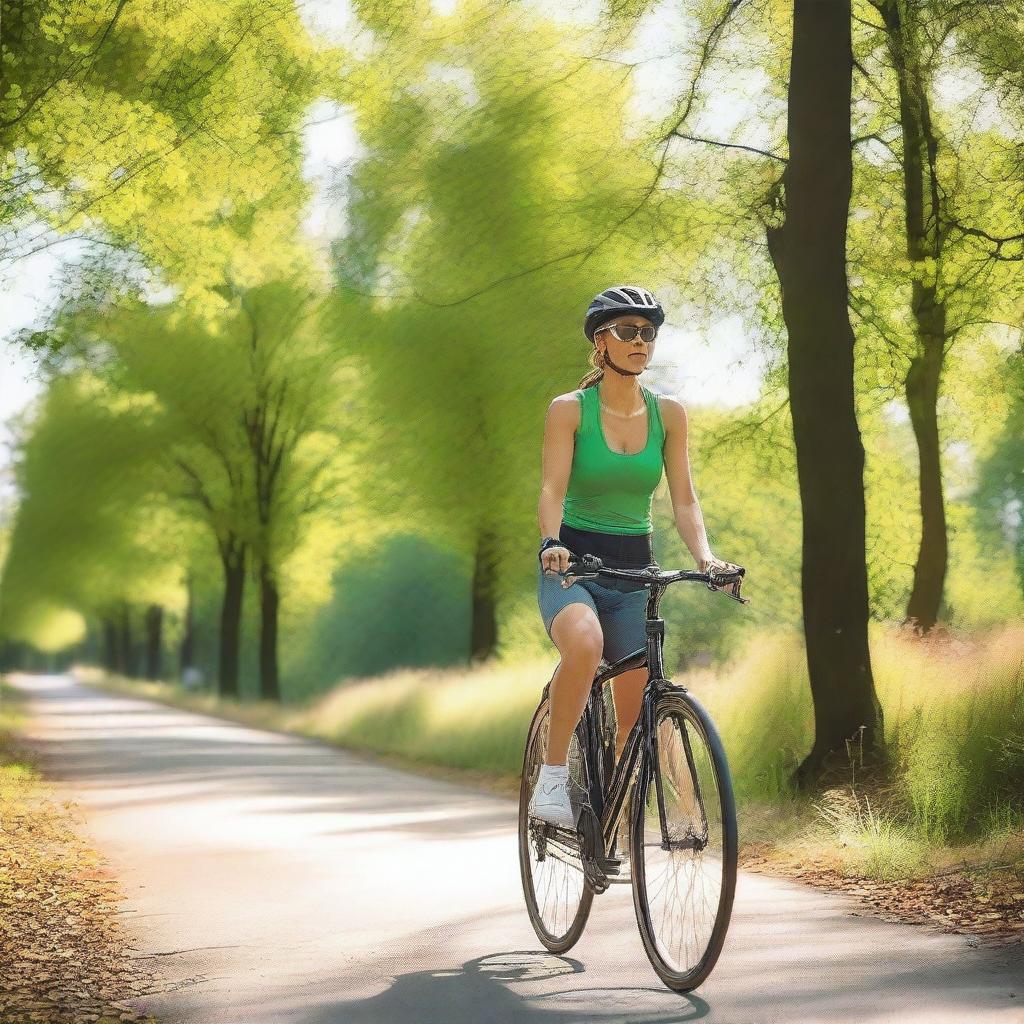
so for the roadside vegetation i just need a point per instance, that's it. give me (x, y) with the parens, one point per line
(950, 804)
(65, 953)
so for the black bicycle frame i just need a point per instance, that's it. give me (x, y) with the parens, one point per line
(590, 729)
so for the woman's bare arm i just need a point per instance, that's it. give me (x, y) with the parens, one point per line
(560, 425)
(685, 506)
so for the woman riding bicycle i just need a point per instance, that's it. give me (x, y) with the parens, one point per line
(605, 445)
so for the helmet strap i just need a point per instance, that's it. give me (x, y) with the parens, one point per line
(620, 370)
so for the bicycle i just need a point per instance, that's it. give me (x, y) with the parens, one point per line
(682, 815)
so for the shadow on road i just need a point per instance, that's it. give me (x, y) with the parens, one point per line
(479, 991)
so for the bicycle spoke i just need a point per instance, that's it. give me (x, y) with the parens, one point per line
(553, 881)
(685, 862)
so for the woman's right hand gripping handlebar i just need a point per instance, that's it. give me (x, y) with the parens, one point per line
(554, 557)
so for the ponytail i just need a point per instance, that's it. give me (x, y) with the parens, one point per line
(594, 376)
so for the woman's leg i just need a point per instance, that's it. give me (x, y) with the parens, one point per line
(627, 693)
(623, 616)
(576, 632)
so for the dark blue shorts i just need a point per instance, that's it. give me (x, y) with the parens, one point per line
(621, 612)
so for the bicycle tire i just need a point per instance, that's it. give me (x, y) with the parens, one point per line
(554, 937)
(675, 972)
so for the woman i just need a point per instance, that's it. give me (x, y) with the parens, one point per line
(604, 448)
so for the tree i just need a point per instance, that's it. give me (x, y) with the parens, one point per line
(459, 199)
(944, 176)
(92, 538)
(288, 406)
(808, 250)
(167, 132)
(173, 359)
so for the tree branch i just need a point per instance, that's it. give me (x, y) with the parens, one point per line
(730, 145)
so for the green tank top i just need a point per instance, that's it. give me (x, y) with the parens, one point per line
(609, 491)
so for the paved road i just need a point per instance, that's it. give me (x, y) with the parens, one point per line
(282, 881)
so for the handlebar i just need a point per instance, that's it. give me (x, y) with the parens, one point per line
(653, 575)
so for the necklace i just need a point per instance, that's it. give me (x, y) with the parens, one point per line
(625, 415)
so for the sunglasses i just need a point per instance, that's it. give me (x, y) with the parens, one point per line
(628, 332)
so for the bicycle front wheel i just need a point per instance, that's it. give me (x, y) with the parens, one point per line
(557, 897)
(684, 844)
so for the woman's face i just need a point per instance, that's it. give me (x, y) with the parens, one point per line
(628, 355)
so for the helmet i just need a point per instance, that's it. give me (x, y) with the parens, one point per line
(622, 298)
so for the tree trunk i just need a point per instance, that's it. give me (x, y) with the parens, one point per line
(923, 213)
(110, 662)
(8, 656)
(922, 388)
(187, 654)
(809, 254)
(126, 655)
(484, 628)
(154, 624)
(233, 560)
(269, 600)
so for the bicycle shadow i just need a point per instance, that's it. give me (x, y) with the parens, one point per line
(478, 990)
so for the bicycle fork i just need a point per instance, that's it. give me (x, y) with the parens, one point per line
(697, 833)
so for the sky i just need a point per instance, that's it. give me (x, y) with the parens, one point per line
(721, 367)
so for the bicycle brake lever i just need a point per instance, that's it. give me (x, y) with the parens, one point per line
(730, 589)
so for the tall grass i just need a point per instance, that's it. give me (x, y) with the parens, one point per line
(871, 842)
(761, 704)
(954, 724)
(955, 727)
(473, 718)
(953, 709)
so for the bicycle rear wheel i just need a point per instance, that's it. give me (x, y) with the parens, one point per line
(557, 897)
(684, 845)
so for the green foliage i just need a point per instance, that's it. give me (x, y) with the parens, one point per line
(89, 528)
(400, 602)
(168, 129)
(413, 402)
(452, 222)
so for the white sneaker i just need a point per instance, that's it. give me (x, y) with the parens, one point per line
(550, 801)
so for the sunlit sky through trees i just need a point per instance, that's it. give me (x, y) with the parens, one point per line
(719, 366)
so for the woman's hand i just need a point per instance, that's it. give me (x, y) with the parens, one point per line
(718, 565)
(555, 559)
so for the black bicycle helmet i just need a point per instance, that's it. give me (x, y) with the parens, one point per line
(622, 298)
